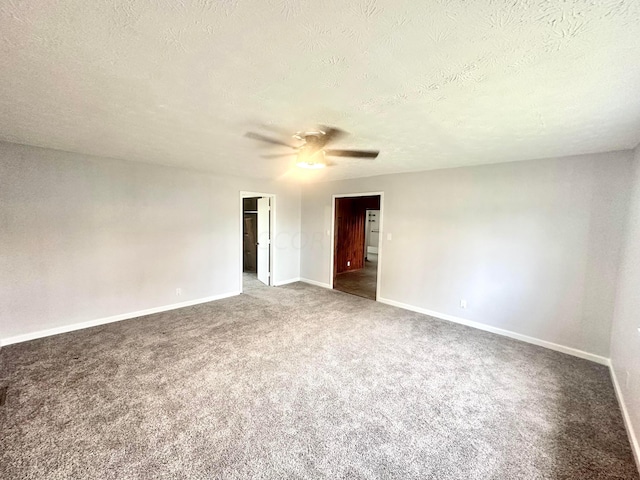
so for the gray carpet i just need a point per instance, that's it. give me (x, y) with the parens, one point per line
(303, 382)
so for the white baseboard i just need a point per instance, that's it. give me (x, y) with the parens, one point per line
(314, 282)
(633, 439)
(507, 333)
(286, 282)
(115, 318)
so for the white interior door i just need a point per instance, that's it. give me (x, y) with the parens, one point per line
(264, 239)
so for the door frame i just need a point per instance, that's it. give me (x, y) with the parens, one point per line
(272, 233)
(333, 234)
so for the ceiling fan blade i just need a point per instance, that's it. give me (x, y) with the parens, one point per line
(262, 138)
(275, 129)
(278, 155)
(331, 134)
(352, 153)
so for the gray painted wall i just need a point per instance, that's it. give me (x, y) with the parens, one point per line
(532, 246)
(625, 338)
(83, 238)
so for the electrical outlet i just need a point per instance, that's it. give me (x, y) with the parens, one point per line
(463, 303)
(348, 264)
(178, 292)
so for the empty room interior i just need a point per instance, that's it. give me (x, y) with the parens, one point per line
(377, 239)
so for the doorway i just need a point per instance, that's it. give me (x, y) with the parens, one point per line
(357, 221)
(256, 245)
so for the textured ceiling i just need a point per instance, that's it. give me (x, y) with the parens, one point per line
(431, 84)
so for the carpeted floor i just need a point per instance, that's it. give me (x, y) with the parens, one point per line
(303, 382)
(250, 281)
(359, 282)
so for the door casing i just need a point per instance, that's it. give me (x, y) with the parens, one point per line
(380, 241)
(272, 250)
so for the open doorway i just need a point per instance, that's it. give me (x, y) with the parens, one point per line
(257, 232)
(356, 232)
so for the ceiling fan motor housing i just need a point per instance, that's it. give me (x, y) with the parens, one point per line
(311, 137)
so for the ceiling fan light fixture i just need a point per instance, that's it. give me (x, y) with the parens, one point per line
(311, 162)
(311, 165)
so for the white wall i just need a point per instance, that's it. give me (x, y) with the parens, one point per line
(625, 338)
(82, 238)
(532, 246)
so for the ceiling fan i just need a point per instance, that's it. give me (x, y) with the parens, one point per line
(312, 152)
